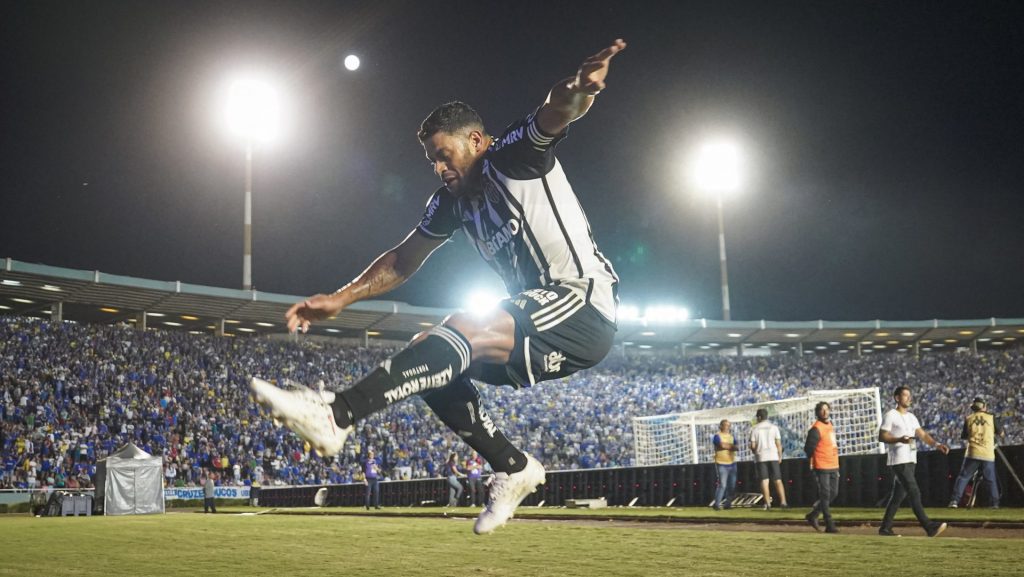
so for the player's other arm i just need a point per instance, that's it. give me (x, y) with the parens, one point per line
(386, 273)
(571, 97)
(926, 437)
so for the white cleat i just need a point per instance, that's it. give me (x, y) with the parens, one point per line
(305, 411)
(507, 491)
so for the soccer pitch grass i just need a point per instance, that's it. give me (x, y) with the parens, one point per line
(190, 544)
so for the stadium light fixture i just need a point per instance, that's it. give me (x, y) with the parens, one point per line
(717, 167)
(22, 301)
(253, 113)
(10, 282)
(253, 109)
(717, 170)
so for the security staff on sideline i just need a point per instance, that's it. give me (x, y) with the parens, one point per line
(823, 452)
(725, 464)
(980, 431)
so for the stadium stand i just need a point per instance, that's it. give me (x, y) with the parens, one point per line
(73, 393)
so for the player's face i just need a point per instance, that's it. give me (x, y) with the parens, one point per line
(457, 160)
(825, 412)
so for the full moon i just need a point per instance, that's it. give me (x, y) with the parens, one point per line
(351, 62)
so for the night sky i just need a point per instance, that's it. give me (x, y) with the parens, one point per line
(886, 143)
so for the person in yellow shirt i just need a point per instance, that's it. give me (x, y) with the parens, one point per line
(980, 431)
(725, 464)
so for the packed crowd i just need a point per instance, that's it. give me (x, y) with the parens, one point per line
(72, 394)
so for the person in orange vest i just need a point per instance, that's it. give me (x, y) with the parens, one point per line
(823, 455)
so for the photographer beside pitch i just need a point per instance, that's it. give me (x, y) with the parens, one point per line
(899, 431)
(980, 431)
(823, 453)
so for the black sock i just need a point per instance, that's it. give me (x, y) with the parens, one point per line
(429, 364)
(458, 406)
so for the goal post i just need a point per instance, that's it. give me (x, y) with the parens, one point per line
(682, 438)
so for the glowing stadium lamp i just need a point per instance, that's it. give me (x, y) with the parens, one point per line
(481, 302)
(253, 110)
(253, 113)
(665, 314)
(628, 313)
(718, 170)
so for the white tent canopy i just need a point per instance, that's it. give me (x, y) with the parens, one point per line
(130, 482)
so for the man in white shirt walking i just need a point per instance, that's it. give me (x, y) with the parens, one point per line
(766, 444)
(899, 431)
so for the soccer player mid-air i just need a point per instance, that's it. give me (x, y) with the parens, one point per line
(511, 197)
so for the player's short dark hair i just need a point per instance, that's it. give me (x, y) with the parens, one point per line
(761, 414)
(899, 391)
(819, 406)
(452, 117)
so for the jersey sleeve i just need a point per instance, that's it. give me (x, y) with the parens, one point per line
(440, 217)
(524, 151)
(717, 442)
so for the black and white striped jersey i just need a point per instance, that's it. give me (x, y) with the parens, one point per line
(527, 223)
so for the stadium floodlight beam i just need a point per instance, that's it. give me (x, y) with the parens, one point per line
(717, 170)
(253, 114)
(481, 302)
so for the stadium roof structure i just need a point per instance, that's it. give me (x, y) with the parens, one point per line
(97, 297)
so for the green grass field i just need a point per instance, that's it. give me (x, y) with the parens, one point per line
(189, 544)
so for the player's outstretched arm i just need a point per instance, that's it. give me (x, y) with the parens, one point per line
(572, 97)
(387, 272)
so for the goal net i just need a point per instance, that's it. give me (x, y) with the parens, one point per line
(680, 438)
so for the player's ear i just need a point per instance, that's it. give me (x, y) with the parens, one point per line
(477, 139)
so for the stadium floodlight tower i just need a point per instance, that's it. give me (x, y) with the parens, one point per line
(717, 171)
(253, 114)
